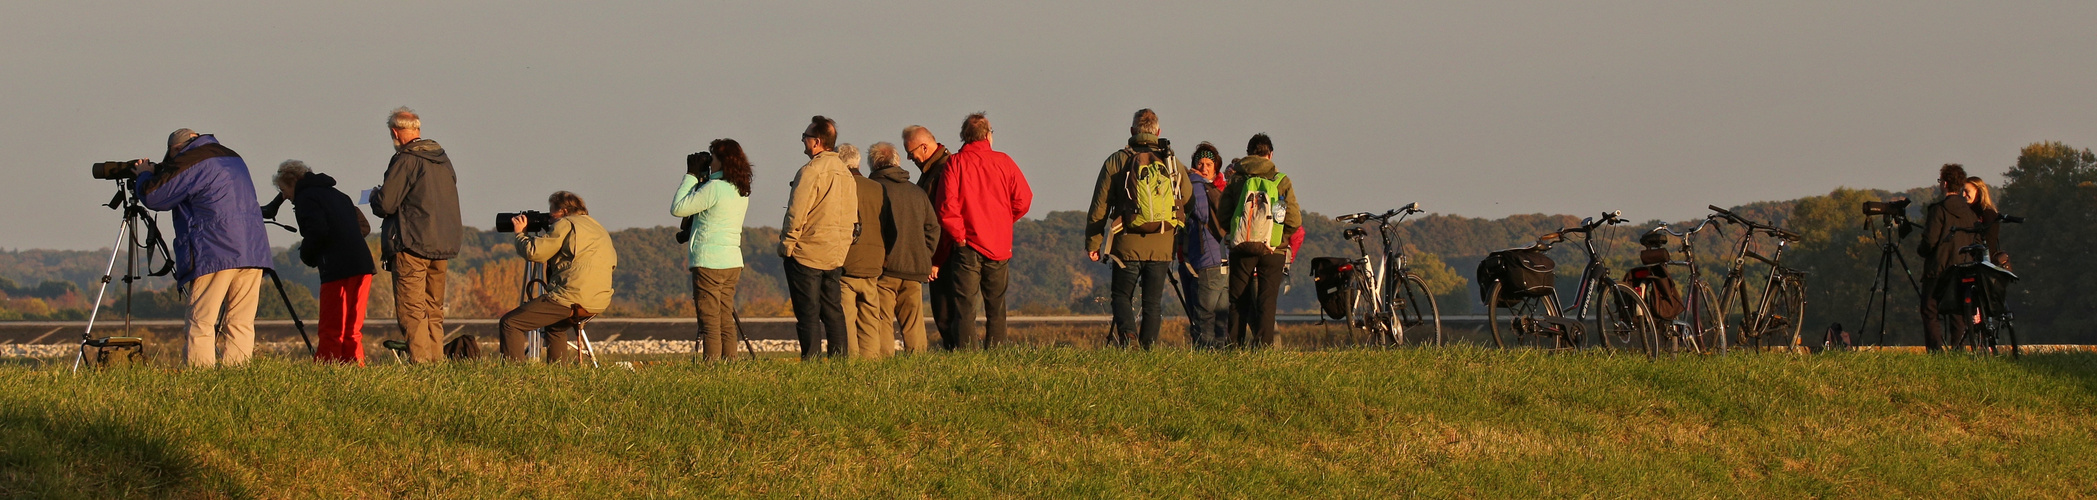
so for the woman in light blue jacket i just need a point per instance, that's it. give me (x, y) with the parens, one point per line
(715, 195)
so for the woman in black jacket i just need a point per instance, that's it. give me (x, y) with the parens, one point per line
(333, 231)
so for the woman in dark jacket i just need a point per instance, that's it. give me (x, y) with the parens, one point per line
(333, 231)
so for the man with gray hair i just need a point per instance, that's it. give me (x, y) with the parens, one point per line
(220, 246)
(931, 159)
(421, 232)
(873, 332)
(910, 229)
(1137, 211)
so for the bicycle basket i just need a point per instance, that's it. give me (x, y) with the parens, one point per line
(1329, 277)
(1522, 273)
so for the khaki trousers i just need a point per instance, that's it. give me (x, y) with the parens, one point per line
(418, 304)
(908, 298)
(867, 317)
(713, 295)
(230, 295)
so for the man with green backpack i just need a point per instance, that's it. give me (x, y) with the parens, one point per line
(1137, 211)
(1260, 211)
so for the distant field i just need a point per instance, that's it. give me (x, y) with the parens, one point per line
(1452, 422)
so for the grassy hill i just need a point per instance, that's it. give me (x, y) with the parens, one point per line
(1450, 422)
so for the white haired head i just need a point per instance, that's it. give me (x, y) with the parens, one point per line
(288, 175)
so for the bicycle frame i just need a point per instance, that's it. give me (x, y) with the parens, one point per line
(1736, 277)
(1382, 271)
(1697, 297)
(1596, 272)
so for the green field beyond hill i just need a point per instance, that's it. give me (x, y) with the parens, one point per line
(1454, 422)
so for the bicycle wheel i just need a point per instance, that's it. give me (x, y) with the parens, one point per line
(1493, 315)
(1363, 314)
(1788, 312)
(1622, 321)
(1419, 316)
(1704, 319)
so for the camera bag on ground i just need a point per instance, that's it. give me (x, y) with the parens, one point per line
(1151, 188)
(1256, 216)
(462, 347)
(1329, 278)
(1521, 273)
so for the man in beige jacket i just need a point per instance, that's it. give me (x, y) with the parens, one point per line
(814, 239)
(579, 261)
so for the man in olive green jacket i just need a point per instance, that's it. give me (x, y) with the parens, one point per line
(1257, 269)
(579, 261)
(1140, 256)
(873, 332)
(814, 239)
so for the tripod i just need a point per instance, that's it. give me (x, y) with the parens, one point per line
(269, 215)
(134, 213)
(535, 345)
(1892, 228)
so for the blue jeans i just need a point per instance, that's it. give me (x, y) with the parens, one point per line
(1150, 274)
(1208, 305)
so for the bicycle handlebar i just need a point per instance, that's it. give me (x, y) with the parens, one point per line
(1754, 226)
(1359, 217)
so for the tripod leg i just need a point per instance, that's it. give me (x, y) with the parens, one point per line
(295, 322)
(750, 351)
(587, 348)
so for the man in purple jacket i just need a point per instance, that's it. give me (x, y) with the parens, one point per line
(220, 248)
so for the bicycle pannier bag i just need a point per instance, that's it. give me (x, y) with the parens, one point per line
(1256, 217)
(1329, 275)
(1663, 299)
(1521, 273)
(1152, 183)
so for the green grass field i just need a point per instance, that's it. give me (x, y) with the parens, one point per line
(1049, 422)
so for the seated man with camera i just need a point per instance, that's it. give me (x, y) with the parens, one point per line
(579, 262)
(220, 245)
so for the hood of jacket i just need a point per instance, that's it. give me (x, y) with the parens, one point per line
(891, 173)
(315, 180)
(1255, 166)
(426, 149)
(1149, 140)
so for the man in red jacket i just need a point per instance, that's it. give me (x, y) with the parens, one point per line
(985, 193)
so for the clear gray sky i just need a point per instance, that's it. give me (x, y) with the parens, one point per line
(1474, 108)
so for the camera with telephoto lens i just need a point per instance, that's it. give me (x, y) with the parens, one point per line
(1897, 208)
(534, 221)
(115, 170)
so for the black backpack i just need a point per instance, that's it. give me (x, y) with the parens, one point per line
(462, 347)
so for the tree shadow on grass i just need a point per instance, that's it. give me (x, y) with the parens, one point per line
(2080, 367)
(47, 456)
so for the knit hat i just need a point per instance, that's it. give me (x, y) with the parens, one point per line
(180, 138)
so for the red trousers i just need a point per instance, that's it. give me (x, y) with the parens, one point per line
(342, 320)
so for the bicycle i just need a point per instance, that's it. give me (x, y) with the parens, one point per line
(1385, 298)
(1979, 288)
(1533, 311)
(1698, 327)
(1781, 305)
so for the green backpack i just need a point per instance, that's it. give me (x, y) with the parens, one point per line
(1152, 183)
(1256, 217)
